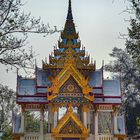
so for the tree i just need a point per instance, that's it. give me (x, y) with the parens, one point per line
(14, 29)
(15, 26)
(133, 40)
(7, 135)
(125, 67)
(132, 102)
(7, 104)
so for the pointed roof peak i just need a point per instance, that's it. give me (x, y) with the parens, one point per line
(69, 31)
(69, 15)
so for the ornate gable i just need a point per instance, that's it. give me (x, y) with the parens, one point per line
(70, 86)
(70, 125)
(68, 71)
(71, 128)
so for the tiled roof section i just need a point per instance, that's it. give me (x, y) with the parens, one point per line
(95, 78)
(42, 77)
(107, 100)
(26, 86)
(36, 90)
(111, 88)
(36, 100)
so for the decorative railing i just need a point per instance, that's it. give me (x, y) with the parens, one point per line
(34, 136)
(105, 137)
(31, 136)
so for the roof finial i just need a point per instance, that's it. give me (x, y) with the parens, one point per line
(69, 16)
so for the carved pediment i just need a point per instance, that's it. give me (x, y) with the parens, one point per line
(70, 125)
(68, 71)
(70, 86)
(71, 128)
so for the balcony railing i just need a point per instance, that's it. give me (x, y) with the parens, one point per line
(105, 137)
(36, 136)
(31, 136)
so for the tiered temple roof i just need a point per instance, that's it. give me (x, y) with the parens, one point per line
(69, 70)
(69, 78)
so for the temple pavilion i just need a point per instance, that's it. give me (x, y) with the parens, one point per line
(68, 99)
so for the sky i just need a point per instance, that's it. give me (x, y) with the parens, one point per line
(98, 22)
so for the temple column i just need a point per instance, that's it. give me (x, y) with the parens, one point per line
(22, 127)
(58, 115)
(115, 123)
(50, 118)
(91, 117)
(22, 121)
(85, 110)
(88, 120)
(96, 124)
(56, 109)
(41, 124)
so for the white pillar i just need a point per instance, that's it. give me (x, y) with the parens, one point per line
(55, 118)
(50, 114)
(50, 118)
(115, 124)
(22, 127)
(88, 120)
(96, 125)
(85, 118)
(41, 124)
(85, 110)
(56, 109)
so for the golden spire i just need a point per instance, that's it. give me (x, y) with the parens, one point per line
(69, 15)
(69, 25)
(69, 47)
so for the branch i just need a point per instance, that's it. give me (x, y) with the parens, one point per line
(10, 4)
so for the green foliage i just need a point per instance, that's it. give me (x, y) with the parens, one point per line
(132, 106)
(126, 68)
(133, 40)
(126, 65)
(7, 134)
(138, 123)
(105, 123)
(32, 122)
(7, 104)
